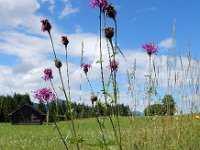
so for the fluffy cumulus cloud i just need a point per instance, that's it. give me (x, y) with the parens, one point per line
(19, 13)
(167, 43)
(68, 9)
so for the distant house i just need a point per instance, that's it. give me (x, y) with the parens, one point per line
(27, 114)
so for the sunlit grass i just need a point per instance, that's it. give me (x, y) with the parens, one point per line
(177, 132)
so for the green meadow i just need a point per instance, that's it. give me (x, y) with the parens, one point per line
(151, 133)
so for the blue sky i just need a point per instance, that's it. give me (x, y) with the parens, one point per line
(25, 51)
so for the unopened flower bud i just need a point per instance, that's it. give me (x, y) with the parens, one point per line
(111, 11)
(93, 98)
(65, 40)
(46, 26)
(58, 63)
(109, 32)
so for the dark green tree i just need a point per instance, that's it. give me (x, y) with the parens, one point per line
(155, 109)
(169, 105)
(41, 106)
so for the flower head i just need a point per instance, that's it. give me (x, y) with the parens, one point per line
(46, 26)
(102, 4)
(93, 98)
(113, 65)
(58, 63)
(85, 67)
(150, 48)
(65, 40)
(111, 11)
(47, 74)
(45, 95)
(109, 32)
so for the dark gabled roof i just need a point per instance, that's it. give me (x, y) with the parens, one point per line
(30, 106)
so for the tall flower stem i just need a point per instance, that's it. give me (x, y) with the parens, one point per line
(68, 83)
(69, 105)
(56, 96)
(89, 84)
(115, 21)
(150, 88)
(61, 135)
(52, 44)
(114, 80)
(100, 51)
(102, 131)
(96, 115)
(63, 89)
(81, 62)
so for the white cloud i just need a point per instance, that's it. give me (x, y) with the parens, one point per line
(19, 13)
(68, 9)
(167, 43)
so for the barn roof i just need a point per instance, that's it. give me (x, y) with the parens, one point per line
(31, 107)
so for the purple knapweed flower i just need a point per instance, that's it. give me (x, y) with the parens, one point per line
(86, 67)
(65, 40)
(45, 95)
(102, 4)
(47, 74)
(150, 48)
(46, 26)
(113, 66)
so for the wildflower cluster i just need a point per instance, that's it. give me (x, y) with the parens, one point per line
(46, 96)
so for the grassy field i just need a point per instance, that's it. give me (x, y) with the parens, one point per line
(154, 133)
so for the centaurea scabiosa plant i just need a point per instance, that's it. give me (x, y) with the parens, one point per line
(48, 76)
(102, 4)
(65, 42)
(46, 26)
(113, 66)
(85, 67)
(46, 96)
(150, 48)
(109, 33)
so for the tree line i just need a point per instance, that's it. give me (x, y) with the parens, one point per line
(166, 107)
(58, 110)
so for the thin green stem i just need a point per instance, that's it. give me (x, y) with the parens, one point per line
(68, 83)
(115, 133)
(81, 62)
(56, 95)
(61, 136)
(52, 44)
(114, 80)
(100, 51)
(89, 84)
(69, 105)
(115, 21)
(62, 83)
